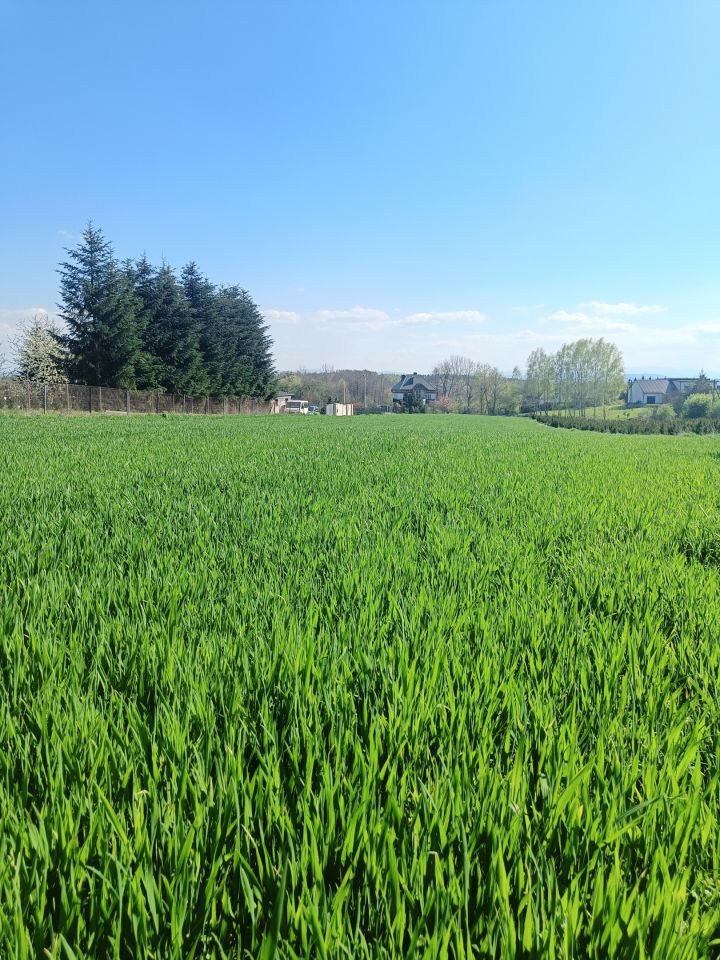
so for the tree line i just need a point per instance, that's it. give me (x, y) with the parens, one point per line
(583, 374)
(364, 388)
(139, 326)
(469, 386)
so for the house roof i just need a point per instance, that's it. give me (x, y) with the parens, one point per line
(409, 381)
(653, 386)
(664, 384)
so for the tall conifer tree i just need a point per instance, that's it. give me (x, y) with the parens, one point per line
(202, 300)
(98, 306)
(138, 326)
(173, 337)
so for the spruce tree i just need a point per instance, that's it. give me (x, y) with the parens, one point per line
(99, 309)
(142, 276)
(173, 337)
(202, 299)
(137, 326)
(247, 364)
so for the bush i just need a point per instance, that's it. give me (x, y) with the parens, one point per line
(664, 412)
(697, 405)
(636, 425)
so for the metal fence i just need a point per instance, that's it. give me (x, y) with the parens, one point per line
(77, 398)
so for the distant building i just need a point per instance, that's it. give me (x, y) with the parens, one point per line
(415, 387)
(277, 404)
(653, 390)
(339, 410)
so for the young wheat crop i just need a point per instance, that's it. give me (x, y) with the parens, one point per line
(383, 687)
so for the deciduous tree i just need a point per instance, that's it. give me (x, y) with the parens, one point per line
(39, 352)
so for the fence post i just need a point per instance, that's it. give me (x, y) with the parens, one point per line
(28, 396)
(184, 410)
(67, 396)
(127, 402)
(207, 404)
(89, 399)
(44, 398)
(100, 398)
(157, 402)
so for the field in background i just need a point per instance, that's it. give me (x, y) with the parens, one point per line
(375, 687)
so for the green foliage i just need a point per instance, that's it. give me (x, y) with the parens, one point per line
(703, 384)
(583, 374)
(412, 403)
(100, 311)
(664, 411)
(173, 336)
(377, 687)
(140, 326)
(633, 425)
(39, 352)
(697, 405)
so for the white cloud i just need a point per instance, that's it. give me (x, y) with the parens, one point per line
(622, 309)
(371, 319)
(532, 308)
(359, 335)
(452, 316)
(398, 340)
(711, 327)
(356, 317)
(566, 316)
(282, 316)
(586, 324)
(647, 343)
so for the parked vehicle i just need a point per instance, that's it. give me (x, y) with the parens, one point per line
(296, 406)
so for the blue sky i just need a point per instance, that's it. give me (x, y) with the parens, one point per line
(393, 181)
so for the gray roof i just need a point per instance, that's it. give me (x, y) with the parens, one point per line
(653, 386)
(409, 381)
(664, 384)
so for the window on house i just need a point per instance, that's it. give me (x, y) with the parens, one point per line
(650, 399)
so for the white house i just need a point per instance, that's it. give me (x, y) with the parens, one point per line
(339, 409)
(648, 391)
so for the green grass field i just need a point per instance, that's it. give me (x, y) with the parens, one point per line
(380, 687)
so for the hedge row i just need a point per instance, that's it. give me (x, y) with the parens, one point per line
(636, 425)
